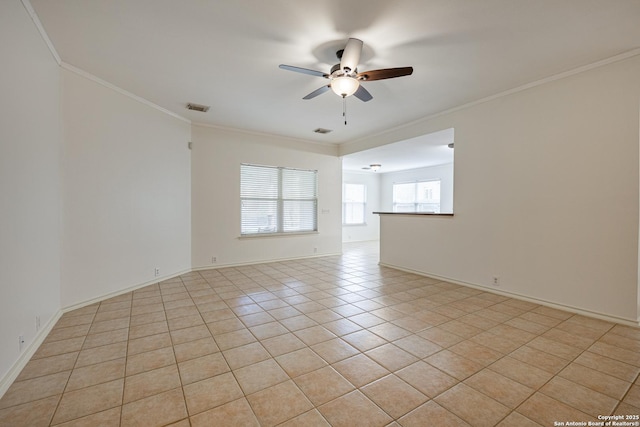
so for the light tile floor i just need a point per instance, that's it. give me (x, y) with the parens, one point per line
(326, 341)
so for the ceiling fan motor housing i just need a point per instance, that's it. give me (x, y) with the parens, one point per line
(344, 79)
(336, 71)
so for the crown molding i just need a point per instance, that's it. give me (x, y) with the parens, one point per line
(45, 37)
(326, 145)
(266, 134)
(36, 21)
(572, 72)
(121, 91)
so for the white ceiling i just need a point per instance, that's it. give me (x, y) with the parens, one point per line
(226, 53)
(426, 150)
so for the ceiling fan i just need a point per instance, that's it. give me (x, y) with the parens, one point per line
(344, 78)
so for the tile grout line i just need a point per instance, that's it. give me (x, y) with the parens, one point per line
(126, 358)
(556, 375)
(55, 411)
(244, 395)
(173, 349)
(324, 279)
(627, 392)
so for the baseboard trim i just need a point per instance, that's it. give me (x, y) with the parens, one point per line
(243, 264)
(569, 308)
(123, 291)
(16, 368)
(27, 354)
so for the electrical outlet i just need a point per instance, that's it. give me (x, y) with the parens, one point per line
(156, 272)
(214, 259)
(37, 323)
(495, 280)
(20, 342)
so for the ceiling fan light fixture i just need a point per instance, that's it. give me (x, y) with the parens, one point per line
(375, 167)
(344, 86)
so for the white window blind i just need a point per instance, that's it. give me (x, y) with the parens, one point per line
(354, 197)
(278, 200)
(422, 196)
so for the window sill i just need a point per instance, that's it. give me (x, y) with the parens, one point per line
(293, 233)
(364, 224)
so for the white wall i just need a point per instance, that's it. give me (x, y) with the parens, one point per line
(442, 172)
(546, 194)
(370, 231)
(29, 182)
(216, 158)
(127, 191)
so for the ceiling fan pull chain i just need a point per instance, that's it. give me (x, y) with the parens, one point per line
(344, 109)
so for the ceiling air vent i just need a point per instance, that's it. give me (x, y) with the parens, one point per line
(198, 107)
(322, 130)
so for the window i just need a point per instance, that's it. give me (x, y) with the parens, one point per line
(277, 200)
(354, 197)
(422, 196)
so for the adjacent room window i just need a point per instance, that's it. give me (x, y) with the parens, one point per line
(354, 198)
(277, 200)
(421, 196)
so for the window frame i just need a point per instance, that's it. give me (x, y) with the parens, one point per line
(364, 204)
(280, 203)
(416, 203)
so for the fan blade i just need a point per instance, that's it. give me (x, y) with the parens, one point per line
(362, 94)
(387, 73)
(317, 92)
(304, 71)
(351, 55)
